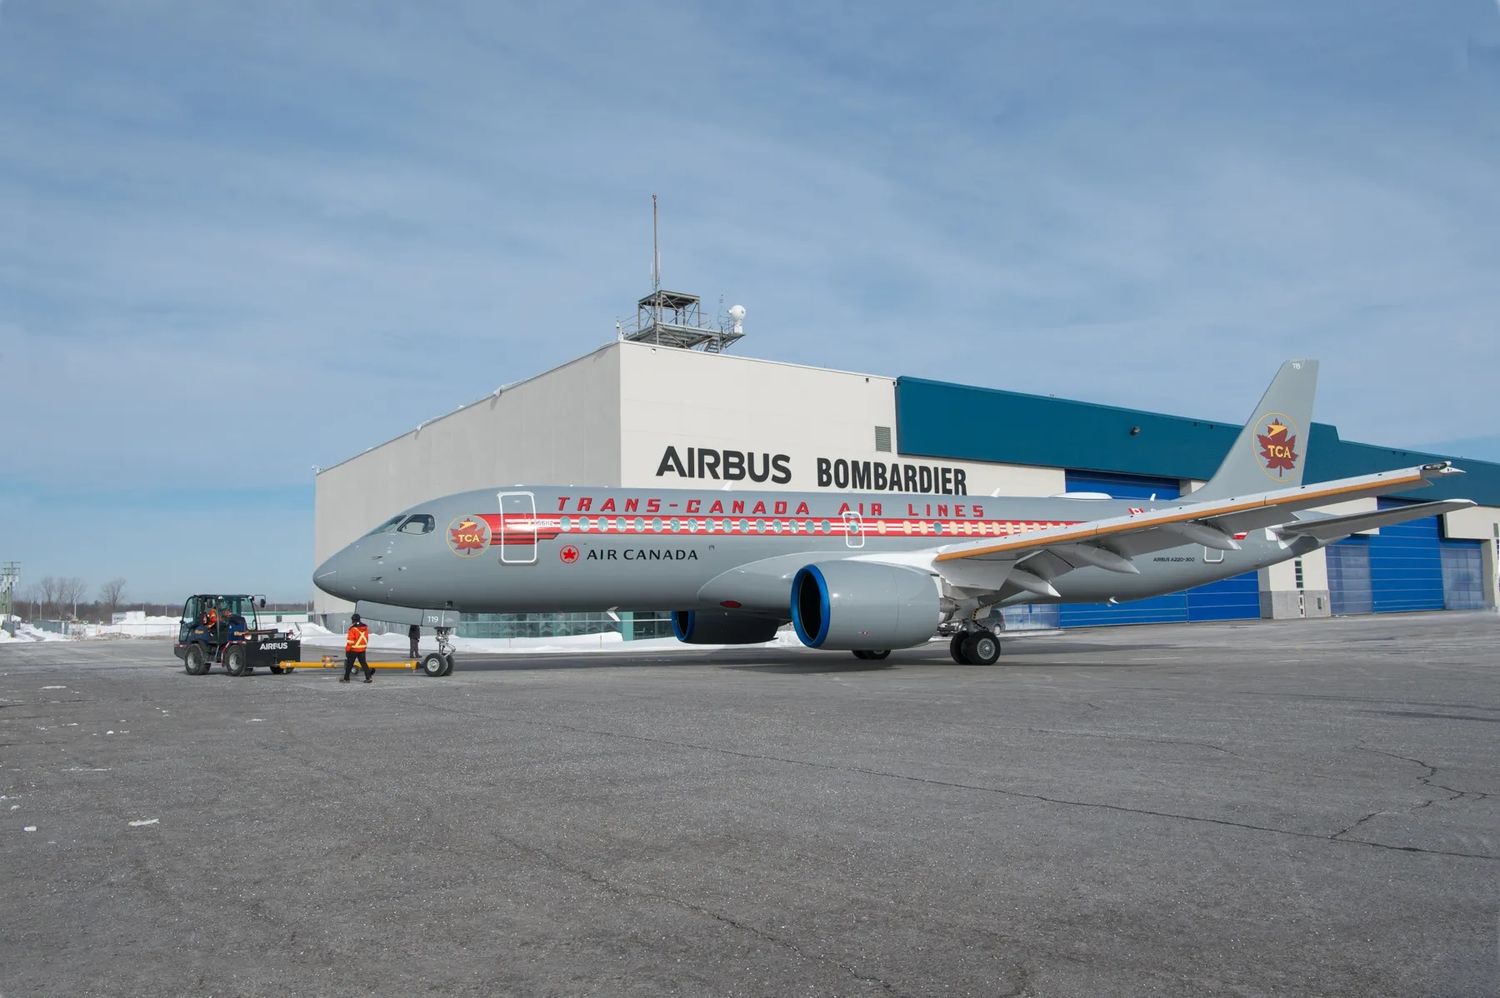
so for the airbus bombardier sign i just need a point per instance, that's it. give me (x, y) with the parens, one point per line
(709, 464)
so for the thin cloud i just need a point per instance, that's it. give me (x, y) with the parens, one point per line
(319, 226)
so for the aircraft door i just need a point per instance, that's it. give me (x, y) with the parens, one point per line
(517, 528)
(854, 529)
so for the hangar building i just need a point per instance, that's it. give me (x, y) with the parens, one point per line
(650, 410)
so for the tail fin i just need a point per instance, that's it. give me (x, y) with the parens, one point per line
(1272, 448)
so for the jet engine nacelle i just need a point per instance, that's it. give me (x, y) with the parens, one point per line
(858, 605)
(714, 627)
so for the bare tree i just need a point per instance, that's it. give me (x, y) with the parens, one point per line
(111, 594)
(28, 602)
(47, 587)
(68, 592)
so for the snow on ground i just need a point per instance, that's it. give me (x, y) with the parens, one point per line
(315, 635)
(25, 632)
(318, 636)
(140, 627)
(148, 627)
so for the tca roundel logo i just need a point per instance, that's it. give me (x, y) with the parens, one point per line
(1276, 445)
(468, 536)
(568, 555)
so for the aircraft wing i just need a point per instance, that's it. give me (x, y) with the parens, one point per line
(1025, 563)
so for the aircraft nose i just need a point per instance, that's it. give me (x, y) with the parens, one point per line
(326, 576)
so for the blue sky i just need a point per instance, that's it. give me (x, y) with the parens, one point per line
(300, 229)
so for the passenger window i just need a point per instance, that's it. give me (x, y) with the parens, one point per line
(421, 523)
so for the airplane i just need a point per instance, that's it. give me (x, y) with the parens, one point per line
(865, 573)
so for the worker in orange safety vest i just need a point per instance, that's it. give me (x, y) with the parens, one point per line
(355, 643)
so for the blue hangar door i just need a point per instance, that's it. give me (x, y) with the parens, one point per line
(1234, 598)
(1405, 567)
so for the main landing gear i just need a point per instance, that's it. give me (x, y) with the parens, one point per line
(975, 645)
(872, 654)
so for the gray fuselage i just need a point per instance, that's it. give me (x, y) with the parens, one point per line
(546, 548)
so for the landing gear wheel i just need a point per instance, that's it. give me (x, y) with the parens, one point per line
(981, 647)
(193, 662)
(861, 654)
(234, 660)
(440, 662)
(277, 670)
(956, 648)
(877, 654)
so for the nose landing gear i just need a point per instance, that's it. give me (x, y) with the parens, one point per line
(439, 663)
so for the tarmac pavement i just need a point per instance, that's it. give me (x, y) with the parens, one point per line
(1263, 808)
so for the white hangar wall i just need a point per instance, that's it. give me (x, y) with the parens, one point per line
(760, 409)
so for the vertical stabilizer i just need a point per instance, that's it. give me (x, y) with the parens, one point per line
(1272, 448)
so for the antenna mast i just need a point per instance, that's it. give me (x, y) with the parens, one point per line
(655, 263)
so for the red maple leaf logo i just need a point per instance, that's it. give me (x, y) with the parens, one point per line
(1278, 447)
(568, 554)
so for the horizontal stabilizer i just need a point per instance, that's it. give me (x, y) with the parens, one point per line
(1333, 527)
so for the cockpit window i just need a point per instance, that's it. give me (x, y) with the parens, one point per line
(421, 523)
(387, 525)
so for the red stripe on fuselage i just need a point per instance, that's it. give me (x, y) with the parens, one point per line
(508, 529)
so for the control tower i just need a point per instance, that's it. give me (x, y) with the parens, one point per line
(675, 319)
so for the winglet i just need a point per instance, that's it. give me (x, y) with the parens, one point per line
(1271, 450)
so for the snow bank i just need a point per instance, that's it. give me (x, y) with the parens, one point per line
(135, 627)
(25, 632)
